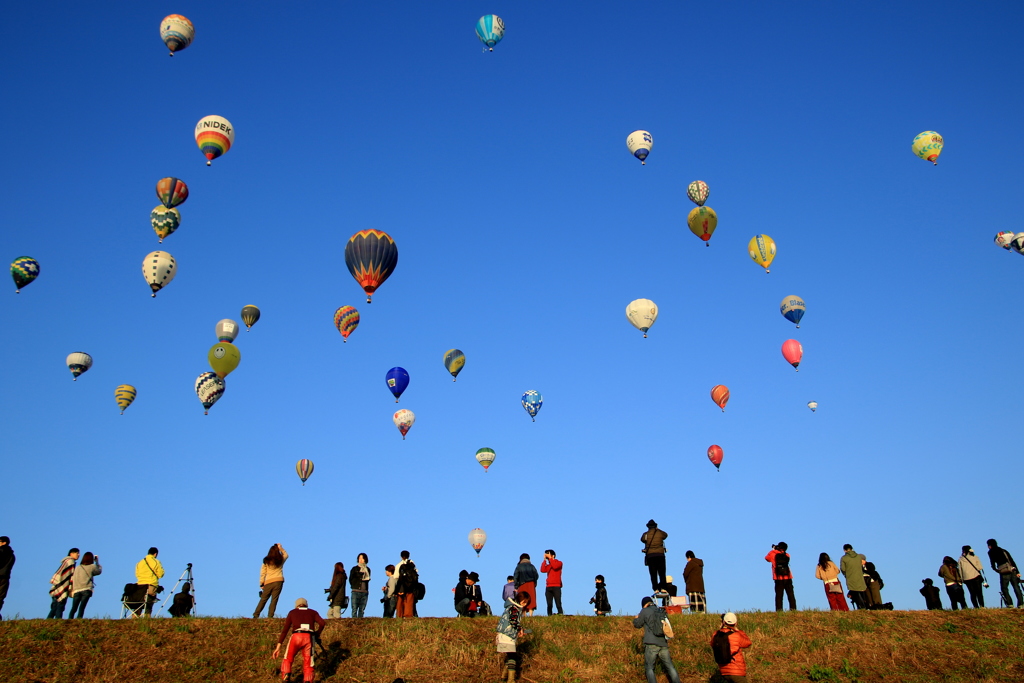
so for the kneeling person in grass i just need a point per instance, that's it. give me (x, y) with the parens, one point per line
(727, 645)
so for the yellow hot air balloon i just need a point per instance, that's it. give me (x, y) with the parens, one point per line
(762, 249)
(702, 221)
(124, 395)
(928, 146)
(224, 358)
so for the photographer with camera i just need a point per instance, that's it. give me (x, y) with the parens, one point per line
(779, 559)
(148, 572)
(973, 575)
(654, 553)
(1003, 563)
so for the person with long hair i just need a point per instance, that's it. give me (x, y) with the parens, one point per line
(950, 573)
(271, 579)
(82, 584)
(828, 572)
(360, 583)
(336, 593)
(874, 582)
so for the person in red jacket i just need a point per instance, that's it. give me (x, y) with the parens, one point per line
(779, 560)
(553, 587)
(732, 666)
(304, 624)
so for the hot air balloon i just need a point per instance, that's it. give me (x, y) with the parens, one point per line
(640, 143)
(214, 135)
(698, 192)
(715, 455)
(164, 221)
(454, 361)
(346, 319)
(793, 309)
(532, 401)
(928, 146)
(209, 389)
(1003, 239)
(177, 32)
(371, 256)
(397, 380)
(226, 330)
(159, 269)
(490, 29)
(304, 468)
(1017, 243)
(762, 249)
(813, 405)
(124, 394)
(720, 395)
(477, 539)
(485, 456)
(171, 191)
(702, 222)
(792, 352)
(641, 313)
(404, 420)
(24, 270)
(250, 314)
(78, 362)
(224, 358)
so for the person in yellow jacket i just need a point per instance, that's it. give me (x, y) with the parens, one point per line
(148, 572)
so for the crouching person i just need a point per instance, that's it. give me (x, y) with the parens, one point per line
(305, 624)
(510, 629)
(727, 645)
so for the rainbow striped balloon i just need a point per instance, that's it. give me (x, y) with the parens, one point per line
(171, 191)
(214, 135)
(346, 319)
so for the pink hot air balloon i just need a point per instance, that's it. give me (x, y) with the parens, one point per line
(715, 455)
(792, 352)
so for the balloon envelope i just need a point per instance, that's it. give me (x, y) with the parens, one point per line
(24, 270)
(250, 314)
(813, 405)
(477, 539)
(1017, 243)
(640, 143)
(641, 313)
(164, 221)
(397, 379)
(762, 249)
(159, 269)
(404, 420)
(698, 192)
(224, 358)
(171, 191)
(209, 389)
(485, 456)
(532, 401)
(793, 309)
(928, 146)
(792, 351)
(78, 362)
(720, 395)
(226, 330)
(702, 222)
(371, 257)
(454, 361)
(214, 135)
(715, 455)
(346, 319)
(490, 29)
(304, 468)
(177, 32)
(124, 394)
(1003, 239)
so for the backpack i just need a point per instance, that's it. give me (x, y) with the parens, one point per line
(408, 577)
(721, 647)
(781, 564)
(420, 591)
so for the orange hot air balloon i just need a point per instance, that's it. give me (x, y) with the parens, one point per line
(720, 395)
(792, 351)
(715, 455)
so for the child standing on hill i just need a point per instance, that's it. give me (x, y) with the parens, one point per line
(600, 599)
(509, 589)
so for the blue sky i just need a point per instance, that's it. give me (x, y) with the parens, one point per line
(524, 228)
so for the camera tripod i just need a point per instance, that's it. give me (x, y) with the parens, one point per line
(186, 576)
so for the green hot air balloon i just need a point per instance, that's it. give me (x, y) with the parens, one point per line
(24, 270)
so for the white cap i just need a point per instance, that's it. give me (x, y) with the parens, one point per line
(668, 579)
(729, 618)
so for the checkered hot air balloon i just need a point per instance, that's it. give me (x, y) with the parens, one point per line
(532, 401)
(346, 319)
(24, 270)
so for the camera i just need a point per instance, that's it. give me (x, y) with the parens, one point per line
(327, 590)
(774, 547)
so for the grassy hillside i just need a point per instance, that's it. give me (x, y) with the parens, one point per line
(973, 645)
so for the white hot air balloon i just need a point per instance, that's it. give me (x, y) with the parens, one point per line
(227, 330)
(813, 405)
(404, 420)
(78, 362)
(1003, 239)
(642, 313)
(477, 539)
(159, 269)
(640, 143)
(1017, 243)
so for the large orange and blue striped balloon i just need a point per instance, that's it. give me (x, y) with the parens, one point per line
(346, 319)
(371, 257)
(214, 135)
(304, 468)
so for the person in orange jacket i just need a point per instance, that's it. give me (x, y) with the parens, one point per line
(731, 664)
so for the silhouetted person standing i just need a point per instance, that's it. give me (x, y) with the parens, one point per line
(6, 564)
(654, 553)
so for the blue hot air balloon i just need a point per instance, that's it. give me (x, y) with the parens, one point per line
(398, 381)
(532, 401)
(490, 29)
(793, 309)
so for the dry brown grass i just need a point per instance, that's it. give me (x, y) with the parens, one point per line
(973, 645)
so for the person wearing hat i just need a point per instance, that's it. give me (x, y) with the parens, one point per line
(467, 596)
(651, 620)
(779, 559)
(654, 553)
(305, 624)
(973, 575)
(932, 599)
(727, 644)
